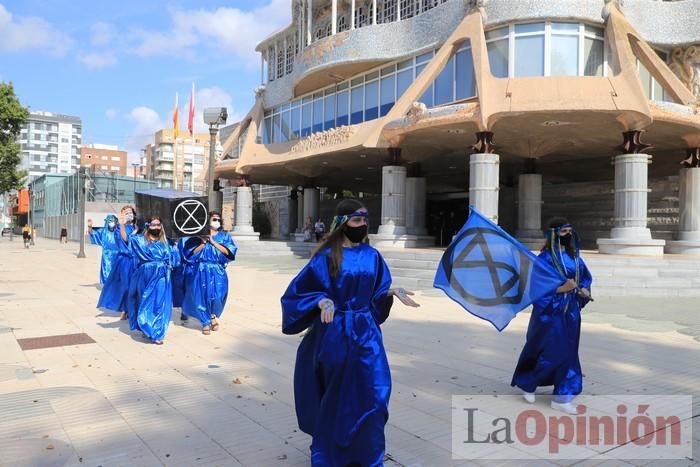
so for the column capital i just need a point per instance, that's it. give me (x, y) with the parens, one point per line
(632, 143)
(484, 143)
(692, 159)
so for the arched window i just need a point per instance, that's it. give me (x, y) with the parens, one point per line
(388, 14)
(271, 74)
(290, 55)
(343, 24)
(280, 59)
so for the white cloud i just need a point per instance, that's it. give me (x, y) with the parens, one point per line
(146, 122)
(230, 30)
(29, 33)
(111, 113)
(102, 34)
(98, 61)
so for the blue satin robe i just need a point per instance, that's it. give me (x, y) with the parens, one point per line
(115, 292)
(151, 293)
(108, 240)
(550, 356)
(178, 273)
(206, 288)
(342, 382)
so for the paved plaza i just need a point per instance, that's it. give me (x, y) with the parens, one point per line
(226, 399)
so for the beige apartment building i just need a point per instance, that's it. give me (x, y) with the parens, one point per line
(180, 163)
(525, 110)
(103, 158)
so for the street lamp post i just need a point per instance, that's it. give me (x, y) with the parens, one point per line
(13, 193)
(81, 183)
(213, 116)
(133, 166)
(30, 193)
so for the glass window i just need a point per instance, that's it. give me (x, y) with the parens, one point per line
(495, 33)
(498, 58)
(565, 27)
(424, 58)
(329, 112)
(371, 100)
(466, 84)
(405, 64)
(645, 78)
(593, 57)
(342, 112)
(427, 97)
(444, 84)
(356, 105)
(294, 131)
(286, 125)
(529, 55)
(318, 115)
(403, 81)
(306, 118)
(564, 55)
(387, 70)
(528, 28)
(386, 94)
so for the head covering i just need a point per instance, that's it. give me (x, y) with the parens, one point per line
(552, 234)
(346, 209)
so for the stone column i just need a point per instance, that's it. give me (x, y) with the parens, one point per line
(293, 204)
(334, 17)
(483, 184)
(688, 238)
(416, 205)
(530, 210)
(630, 235)
(300, 212)
(393, 201)
(311, 204)
(243, 230)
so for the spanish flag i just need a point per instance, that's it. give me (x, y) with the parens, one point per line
(176, 119)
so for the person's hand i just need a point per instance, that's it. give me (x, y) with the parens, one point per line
(327, 310)
(585, 293)
(403, 296)
(569, 285)
(122, 218)
(89, 223)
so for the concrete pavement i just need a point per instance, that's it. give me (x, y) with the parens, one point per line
(226, 399)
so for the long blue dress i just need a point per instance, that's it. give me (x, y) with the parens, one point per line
(178, 273)
(550, 356)
(107, 239)
(115, 291)
(206, 288)
(151, 293)
(342, 382)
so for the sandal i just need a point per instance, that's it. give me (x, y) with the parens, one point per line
(158, 342)
(123, 316)
(206, 330)
(214, 324)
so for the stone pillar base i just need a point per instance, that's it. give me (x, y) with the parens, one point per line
(631, 246)
(243, 234)
(532, 243)
(401, 241)
(683, 247)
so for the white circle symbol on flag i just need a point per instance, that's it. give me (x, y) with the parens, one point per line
(188, 210)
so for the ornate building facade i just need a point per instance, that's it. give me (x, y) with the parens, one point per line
(523, 109)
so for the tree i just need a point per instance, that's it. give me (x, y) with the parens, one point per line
(12, 116)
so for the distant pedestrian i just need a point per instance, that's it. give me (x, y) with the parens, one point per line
(319, 229)
(26, 235)
(64, 235)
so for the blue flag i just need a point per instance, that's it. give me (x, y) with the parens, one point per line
(491, 274)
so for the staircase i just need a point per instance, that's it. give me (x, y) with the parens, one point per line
(613, 276)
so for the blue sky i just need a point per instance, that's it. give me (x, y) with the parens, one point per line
(118, 64)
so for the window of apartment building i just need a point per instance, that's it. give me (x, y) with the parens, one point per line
(407, 8)
(652, 88)
(64, 140)
(116, 158)
(280, 59)
(343, 24)
(546, 49)
(104, 167)
(388, 11)
(271, 64)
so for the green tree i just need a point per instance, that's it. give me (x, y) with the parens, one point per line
(12, 116)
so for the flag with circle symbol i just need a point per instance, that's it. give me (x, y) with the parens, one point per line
(491, 274)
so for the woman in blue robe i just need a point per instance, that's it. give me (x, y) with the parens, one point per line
(151, 293)
(115, 291)
(342, 382)
(206, 288)
(107, 238)
(550, 356)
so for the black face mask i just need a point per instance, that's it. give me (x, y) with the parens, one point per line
(154, 232)
(566, 240)
(355, 234)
